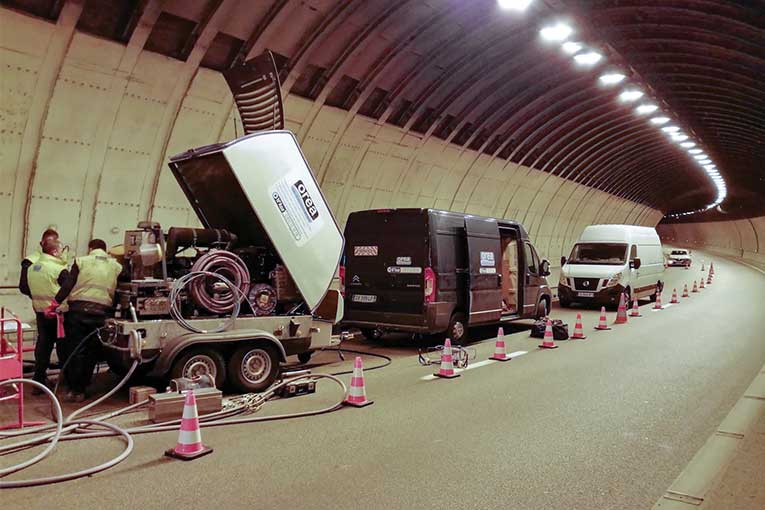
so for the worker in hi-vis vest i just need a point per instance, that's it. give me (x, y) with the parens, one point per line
(90, 296)
(41, 280)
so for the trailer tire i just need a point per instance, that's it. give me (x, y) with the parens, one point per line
(373, 334)
(195, 361)
(304, 357)
(252, 368)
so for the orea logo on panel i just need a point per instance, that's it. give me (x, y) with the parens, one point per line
(308, 203)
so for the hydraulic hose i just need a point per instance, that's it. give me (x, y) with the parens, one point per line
(235, 274)
(190, 278)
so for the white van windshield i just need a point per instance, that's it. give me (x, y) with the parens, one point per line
(598, 253)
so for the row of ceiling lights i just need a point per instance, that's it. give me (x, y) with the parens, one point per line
(587, 57)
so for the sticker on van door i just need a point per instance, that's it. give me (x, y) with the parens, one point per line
(403, 261)
(488, 270)
(297, 208)
(487, 259)
(365, 251)
(404, 270)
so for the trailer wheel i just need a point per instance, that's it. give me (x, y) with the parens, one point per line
(304, 357)
(200, 360)
(373, 334)
(253, 368)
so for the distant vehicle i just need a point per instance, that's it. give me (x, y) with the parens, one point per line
(680, 258)
(611, 259)
(437, 272)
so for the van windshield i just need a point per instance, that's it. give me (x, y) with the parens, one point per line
(598, 253)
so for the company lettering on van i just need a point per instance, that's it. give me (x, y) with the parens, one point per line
(308, 203)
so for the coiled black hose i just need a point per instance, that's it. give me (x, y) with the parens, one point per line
(206, 294)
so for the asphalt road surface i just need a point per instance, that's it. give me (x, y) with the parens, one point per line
(604, 423)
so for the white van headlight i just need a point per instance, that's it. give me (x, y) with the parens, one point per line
(563, 280)
(614, 280)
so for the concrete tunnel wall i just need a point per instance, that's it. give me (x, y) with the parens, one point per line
(89, 124)
(740, 238)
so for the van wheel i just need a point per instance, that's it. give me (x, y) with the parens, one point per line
(457, 331)
(372, 333)
(253, 368)
(542, 309)
(659, 288)
(202, 360)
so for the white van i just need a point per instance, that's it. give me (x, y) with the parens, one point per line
(611, 259)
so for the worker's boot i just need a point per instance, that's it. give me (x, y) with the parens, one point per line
(73, 396)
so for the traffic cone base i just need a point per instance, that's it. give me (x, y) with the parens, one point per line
(189, 445)
(357, 395)
(674, 297)
(495, 357)
(447, 376)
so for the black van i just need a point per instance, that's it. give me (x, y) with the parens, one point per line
(438, 272)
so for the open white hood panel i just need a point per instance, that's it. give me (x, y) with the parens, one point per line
(261, 188)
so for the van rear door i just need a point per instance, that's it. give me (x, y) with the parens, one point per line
(385, 257)
(484, 255)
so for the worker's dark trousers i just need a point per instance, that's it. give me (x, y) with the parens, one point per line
(46, 341)
(84, 359)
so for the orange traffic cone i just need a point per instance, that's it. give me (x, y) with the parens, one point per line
(578, 331)
(189, 445)
(621, 312)
(602, 325)
(702, 267)
(499, 348)
(711, 268)
(674, 297)
(685, 290)
(549, 340)
(709, 279)
(657, 305)
(357, 395)
(447, 364)
(695, 287)
(635, 309)
(701, 285)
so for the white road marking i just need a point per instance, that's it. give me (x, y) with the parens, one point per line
(477, 364)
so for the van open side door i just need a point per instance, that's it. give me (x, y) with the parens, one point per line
(484, 255)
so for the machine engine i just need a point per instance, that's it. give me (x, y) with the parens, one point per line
(181, 265)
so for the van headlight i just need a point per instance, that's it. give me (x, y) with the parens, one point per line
(614, 280)
(563, 280)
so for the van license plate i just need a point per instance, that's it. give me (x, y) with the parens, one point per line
(364, 298)
(585, 294)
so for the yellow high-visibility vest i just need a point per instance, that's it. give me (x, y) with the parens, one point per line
(97, 279)
(42, 277)
(34, 256)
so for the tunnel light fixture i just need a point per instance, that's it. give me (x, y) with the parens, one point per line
(514, 5)
(670, 129)
(659, 120)
(571, 47)
(679, 137)
(645, 109)
(558, 32)
(589, 58)
(695, 151)
(630, 95)
(688, 145)
(611, 78)
(705, 162)
(700, 155)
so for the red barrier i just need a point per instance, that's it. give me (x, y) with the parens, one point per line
(12, 367)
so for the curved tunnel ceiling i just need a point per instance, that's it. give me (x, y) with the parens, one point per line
(474, 75)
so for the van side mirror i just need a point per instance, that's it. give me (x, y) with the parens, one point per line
(562, 261)
(635, 263)
(544, 267)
